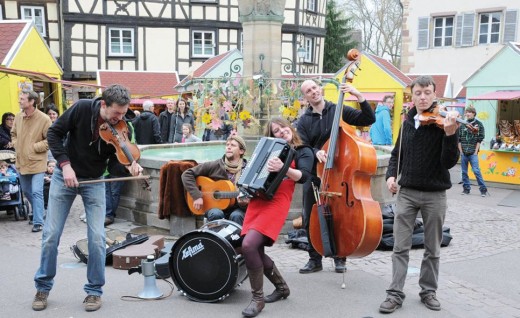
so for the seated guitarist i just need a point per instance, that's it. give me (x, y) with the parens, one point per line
(229, 167)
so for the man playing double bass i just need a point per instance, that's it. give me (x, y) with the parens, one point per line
(84, 155)
(314, 127)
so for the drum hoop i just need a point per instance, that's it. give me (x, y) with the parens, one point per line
(224, 245)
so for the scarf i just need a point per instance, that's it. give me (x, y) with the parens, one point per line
(235, 169)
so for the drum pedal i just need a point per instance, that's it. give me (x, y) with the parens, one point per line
(147, 268)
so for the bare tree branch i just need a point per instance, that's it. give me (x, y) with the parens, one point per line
(380, 22)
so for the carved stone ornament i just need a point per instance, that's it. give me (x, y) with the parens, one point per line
(261, 7)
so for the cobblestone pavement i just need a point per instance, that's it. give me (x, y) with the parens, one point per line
(481, 230)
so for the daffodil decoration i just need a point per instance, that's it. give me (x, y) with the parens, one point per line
(206, 118)
(290, 111)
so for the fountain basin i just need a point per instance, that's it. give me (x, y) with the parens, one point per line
(141, 206)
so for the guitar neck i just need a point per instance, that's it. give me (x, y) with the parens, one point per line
(225, 194)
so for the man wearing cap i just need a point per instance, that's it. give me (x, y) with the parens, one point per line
(229, 167)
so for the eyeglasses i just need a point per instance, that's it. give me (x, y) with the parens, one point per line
(9, 119)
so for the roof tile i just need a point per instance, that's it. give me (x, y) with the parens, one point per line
(9, 32)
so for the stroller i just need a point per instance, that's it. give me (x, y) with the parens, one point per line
(13, 200)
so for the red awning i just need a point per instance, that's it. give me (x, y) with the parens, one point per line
(371, 97)
(140, 101)
(498, 95)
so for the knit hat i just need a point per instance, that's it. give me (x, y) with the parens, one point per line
(471, 109)
(240, 140)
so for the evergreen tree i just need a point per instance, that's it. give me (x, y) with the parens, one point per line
(337, 39)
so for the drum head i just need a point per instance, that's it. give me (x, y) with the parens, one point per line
(204, 266)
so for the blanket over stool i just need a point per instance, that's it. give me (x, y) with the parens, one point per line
(171, 190)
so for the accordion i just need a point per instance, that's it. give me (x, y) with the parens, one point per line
(255, 180)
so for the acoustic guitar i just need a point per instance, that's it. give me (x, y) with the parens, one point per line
(220, 194)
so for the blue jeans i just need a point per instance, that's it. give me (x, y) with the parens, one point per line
(32, 186)
(236, 215)
(60, 202)
(112, 194)
(473, 161)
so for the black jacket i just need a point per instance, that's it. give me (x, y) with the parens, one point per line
(146, 128)
(71, 138)
(426, 155)
(314, 129)
(5, 137)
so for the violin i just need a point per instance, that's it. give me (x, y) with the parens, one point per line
(126, 152)
(436, 116)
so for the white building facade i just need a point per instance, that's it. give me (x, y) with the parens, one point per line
(456, 37)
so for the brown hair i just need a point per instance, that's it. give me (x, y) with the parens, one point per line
(423, 81)
(296, 140)
(186, 106)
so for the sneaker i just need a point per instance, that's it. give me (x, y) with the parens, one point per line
(389, 306)
(92, 303)
(40, 301)
(340, 264)
(311, 267)
(465, 191)
(484, 193)
(37, 228)
(431, 302)
(83, 217)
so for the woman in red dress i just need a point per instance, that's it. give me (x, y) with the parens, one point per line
(264, 219)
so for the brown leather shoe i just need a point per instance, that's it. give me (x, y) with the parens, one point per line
(431, 302)
(389, 306)
(40, 301)
(108, 220)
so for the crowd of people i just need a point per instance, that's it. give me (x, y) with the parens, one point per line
(68, 149)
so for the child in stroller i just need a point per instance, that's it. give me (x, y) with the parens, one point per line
(7, 179)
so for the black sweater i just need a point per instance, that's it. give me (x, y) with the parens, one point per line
(88, 156)
(427, 154)
(314, 129)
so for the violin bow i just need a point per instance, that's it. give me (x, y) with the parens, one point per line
(145, 177)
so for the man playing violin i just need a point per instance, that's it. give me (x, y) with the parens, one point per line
(471, 137)
(422, 156)
(82, 155)
(314, 128)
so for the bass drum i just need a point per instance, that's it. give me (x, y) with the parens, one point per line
(204, 264)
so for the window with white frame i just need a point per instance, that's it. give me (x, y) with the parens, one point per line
(312, 5)
(203, 44)
(37, 15)
(308, 44)
(443, 31)
(121, 42)
(489, 27)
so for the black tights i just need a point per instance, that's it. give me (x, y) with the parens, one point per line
(253, 250)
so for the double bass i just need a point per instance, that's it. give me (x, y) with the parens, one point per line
(344, 195)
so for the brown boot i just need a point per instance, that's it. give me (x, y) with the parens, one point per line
(282, 290)
(256, 278)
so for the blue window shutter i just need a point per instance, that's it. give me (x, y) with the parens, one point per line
(510, 26)
(424, 33)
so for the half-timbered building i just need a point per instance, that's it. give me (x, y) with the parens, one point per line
(161, 35)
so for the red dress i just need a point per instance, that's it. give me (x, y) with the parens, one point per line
(268, 216)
